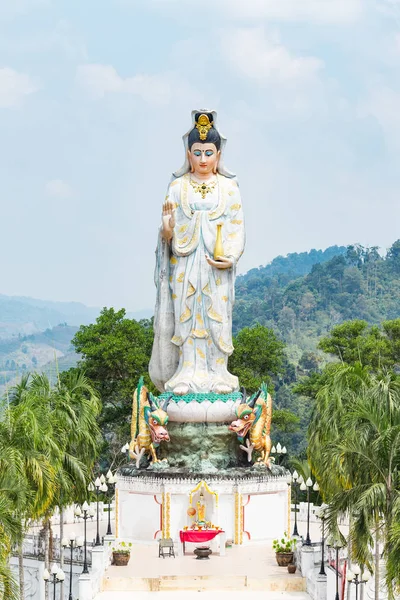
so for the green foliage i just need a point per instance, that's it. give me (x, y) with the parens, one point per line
(48, 445)
(284, 544)
(356, 341)
(356, 284)
(115, 354)
(121, 547)
(257, 357)
(354, 446)
(285, 420)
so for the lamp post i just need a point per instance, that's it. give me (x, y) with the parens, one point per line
(336, 545)
(279, 451)
(111, 481)
(84, 513)
(321, 514)
(307, 486)
(357, 578)
(57, 575)
(71, 542)
(296, 482)
(100, 486)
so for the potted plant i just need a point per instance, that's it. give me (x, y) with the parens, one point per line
(121, 552)
(284, 550)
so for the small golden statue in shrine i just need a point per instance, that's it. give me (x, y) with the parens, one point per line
(201, 510)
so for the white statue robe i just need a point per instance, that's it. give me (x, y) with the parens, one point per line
(193, 314)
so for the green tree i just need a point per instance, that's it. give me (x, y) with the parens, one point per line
(357, 342)
(258, 356)
(48, 444)
(115, 353)
(393, 256)
(354, 449)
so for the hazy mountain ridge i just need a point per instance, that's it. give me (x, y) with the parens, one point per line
(46, 351)
(22, 315)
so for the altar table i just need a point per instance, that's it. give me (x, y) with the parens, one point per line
(205, 535)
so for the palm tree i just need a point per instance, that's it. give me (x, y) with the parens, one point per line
(48, 441)
(75, 410)
(25, 437)
(11, 496)
(355, 449)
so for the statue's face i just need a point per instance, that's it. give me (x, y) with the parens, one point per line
(204, 158)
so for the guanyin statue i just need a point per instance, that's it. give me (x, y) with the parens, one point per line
(200, 241)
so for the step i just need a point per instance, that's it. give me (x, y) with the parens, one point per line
(191, 595)
(200, 583)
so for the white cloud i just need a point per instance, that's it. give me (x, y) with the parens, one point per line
(336, 11)
(100, 80)
(14, 87)
(17, 8)
(383, 104)
(264, 58)
(57, 188)
(321, 11)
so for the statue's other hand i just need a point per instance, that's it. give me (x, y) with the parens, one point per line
(222, 263)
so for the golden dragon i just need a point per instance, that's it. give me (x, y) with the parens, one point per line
(254, 416)
(148, 425)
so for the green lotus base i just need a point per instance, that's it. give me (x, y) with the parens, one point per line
(210, 397)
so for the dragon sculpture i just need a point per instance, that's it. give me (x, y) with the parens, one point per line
(148, 425)
(254, 415)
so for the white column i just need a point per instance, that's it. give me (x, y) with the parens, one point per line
(42, 583)
(85, 587)
(222, 541)
(321, 587)
(98, 559)
(307, 559)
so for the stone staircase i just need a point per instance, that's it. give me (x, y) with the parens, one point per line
(206, 595)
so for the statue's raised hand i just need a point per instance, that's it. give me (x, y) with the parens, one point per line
(168, 219)
(222, 262)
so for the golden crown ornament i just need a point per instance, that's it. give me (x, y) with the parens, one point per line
(203, 125)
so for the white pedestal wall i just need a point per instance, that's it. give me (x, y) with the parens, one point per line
(138, 516)
(265, 515)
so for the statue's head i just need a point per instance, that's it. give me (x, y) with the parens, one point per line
(204, 145)
(204, 121)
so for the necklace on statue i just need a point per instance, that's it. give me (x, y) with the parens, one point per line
(203, 188)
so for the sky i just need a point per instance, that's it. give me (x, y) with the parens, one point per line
(96, 95)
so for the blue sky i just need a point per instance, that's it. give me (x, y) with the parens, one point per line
(94, 99)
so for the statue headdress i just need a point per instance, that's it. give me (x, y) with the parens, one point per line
(203, 125)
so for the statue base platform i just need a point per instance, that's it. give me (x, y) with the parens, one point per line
(250, 503)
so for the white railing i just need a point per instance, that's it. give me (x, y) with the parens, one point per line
(302, 513)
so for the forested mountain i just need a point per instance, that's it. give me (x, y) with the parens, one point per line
(357, 284)
(294, 263)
